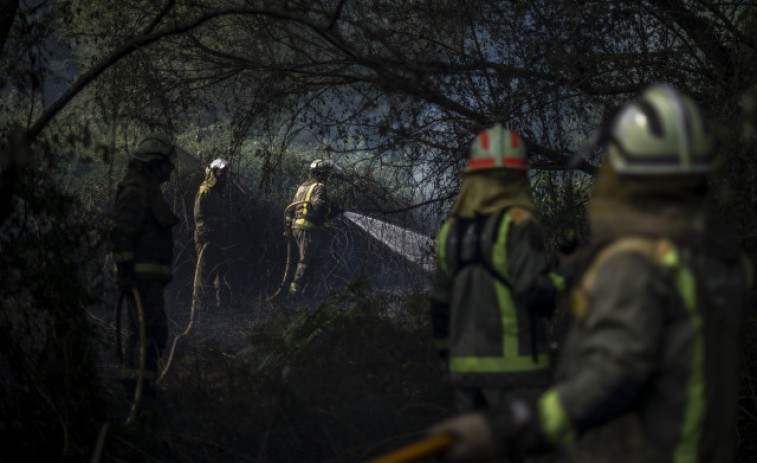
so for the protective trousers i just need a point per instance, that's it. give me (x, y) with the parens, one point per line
(313, 246)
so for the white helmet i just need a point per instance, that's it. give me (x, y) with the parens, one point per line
(154, 146)
(217, 164)
(497, 147)
(659, 133)
(324, 165)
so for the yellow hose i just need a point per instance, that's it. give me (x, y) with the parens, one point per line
(427, 448)
(198, 271)
(289, 251)
(142, 355)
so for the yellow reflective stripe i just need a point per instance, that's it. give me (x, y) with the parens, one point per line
(153, 269)
(304, 222)
(441, 344)
(509, 320)
(307, 198)
(123, 256)
(442, 240)
(557, 280)
(508, 313)
(555, 422)
(499, 259)
(687, 448)
(498, 364)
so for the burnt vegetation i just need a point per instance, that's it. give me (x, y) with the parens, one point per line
(394, 92)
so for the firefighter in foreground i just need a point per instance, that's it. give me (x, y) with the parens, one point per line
(211, 232)
(492, 292)
(650, 369)
(143, 251)
(306, 217)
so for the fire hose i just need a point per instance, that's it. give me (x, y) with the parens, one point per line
(288, 236)
(195, 297)
(137, 299)
(430, 447)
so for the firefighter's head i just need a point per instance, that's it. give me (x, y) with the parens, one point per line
(217, 170)
(158, 153)
(656, 144)
(496, 148)
(320, 169)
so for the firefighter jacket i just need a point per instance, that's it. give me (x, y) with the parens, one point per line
(142, 235)
(492, 290)
(210, 219)
(311, 206)
(650, 369)
(491, 295)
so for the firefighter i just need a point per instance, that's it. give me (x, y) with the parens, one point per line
(142, 240)
(211, 234)
(492, 291)
(650, 369)
(306, 217)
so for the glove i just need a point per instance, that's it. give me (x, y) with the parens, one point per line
(512, 430)
(473, 436)
(125, 275)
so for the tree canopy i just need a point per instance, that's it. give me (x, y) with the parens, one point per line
(393, 90)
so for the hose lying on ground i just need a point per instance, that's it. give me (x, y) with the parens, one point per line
(195, 296)
(421, 450)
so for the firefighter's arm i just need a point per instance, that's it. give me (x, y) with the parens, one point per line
(512, 430)
(130, 210)
(534, 284)
(615, 356)
(611, 361)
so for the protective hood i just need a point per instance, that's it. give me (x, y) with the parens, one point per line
(672, 207)
(488, 191)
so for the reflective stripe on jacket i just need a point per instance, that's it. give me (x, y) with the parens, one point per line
(490, 298)
(314, 207)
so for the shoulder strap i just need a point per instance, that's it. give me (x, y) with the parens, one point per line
(520, 214)
(656, 250)
(487, 234)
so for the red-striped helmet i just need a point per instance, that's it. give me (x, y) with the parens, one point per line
(497, 147)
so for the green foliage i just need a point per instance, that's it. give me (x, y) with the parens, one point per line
(353, 378)
(50, 406)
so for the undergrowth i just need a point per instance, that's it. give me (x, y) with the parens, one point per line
(355, 377)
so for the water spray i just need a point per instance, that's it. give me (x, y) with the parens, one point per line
(413, 246)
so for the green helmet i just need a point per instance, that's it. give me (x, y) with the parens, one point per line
(497, 147)
(154, 146)
(660, 133)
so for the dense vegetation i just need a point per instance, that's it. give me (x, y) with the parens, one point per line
(394, 91)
